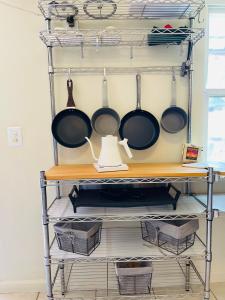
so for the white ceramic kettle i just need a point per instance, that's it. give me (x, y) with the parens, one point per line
(109, 154)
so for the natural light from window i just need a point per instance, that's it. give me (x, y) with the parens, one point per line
(216, 129)
(216, 58)
(216, 86)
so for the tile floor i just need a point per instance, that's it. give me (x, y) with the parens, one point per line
(218, 288)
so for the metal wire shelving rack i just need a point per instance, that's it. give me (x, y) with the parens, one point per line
(120, 38)
(104, 279)
(122, 9)
(125, 245)
(62, 210)
(67, 273)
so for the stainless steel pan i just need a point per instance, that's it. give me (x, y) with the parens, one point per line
(105, 120)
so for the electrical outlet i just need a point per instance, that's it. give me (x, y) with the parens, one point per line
(14, 136)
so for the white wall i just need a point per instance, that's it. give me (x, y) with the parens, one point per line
(25, 102)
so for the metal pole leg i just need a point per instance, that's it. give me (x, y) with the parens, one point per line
(46, 237)
(208, 261)
(187, 276)
(62, 277)
(52, 97)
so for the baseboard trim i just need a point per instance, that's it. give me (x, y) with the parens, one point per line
(22, 286)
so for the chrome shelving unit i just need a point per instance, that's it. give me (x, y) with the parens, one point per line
(122, 9)
(93, 277)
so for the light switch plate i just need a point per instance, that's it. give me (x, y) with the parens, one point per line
(14, 136)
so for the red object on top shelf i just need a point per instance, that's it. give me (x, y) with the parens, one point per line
(168, 26)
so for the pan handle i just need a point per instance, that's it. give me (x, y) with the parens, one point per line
(70, 102)
(138, 81)
(105, 102)
(174, 89)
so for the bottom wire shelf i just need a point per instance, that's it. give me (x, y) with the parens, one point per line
(98, 281)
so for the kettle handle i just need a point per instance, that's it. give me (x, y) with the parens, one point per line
(127, 149)
(92, 150)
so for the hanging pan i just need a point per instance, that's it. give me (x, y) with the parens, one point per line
(71, 126)
(105, 120)
(174, 118)
(139, 126)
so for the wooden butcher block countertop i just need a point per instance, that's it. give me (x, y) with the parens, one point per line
(139, 170)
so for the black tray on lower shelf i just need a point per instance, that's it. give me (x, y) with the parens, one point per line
(124, 197)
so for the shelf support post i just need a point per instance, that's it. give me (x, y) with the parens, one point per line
(52, 97)
(190, 96)
(62, 277)
(210, 215)
(187, 275)
(45, 224)
(190, 93)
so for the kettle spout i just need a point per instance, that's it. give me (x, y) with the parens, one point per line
(92, 150)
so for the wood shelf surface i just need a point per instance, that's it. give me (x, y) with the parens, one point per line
(138, 170)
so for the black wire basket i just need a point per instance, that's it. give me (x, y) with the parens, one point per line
(134, 278)
(165, 36)
(80, 238)
(175, 236)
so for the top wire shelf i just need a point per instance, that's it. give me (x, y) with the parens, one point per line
(121, 9)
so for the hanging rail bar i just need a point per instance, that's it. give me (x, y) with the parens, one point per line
(117, 70)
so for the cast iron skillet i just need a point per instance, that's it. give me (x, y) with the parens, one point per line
(174, 118)
(71, 125)
(139, 126)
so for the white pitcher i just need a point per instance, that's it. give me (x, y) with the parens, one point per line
(109, 154)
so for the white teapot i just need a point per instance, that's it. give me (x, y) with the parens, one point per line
(109, 155)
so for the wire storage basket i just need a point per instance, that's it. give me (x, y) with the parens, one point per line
(80, 238)
(134, 277)
(171, 36)
(175, 236)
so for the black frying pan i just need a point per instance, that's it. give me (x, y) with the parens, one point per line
(174, 118)
(71, 125)
(139, 126)
(105, 120)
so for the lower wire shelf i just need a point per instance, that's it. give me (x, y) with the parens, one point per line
(126, 244)
(187, 208)
(98, 281)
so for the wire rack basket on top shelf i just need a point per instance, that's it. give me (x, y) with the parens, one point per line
(117, 38)
(121, 9)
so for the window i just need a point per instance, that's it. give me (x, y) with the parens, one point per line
(216, 85)
(216, 129)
